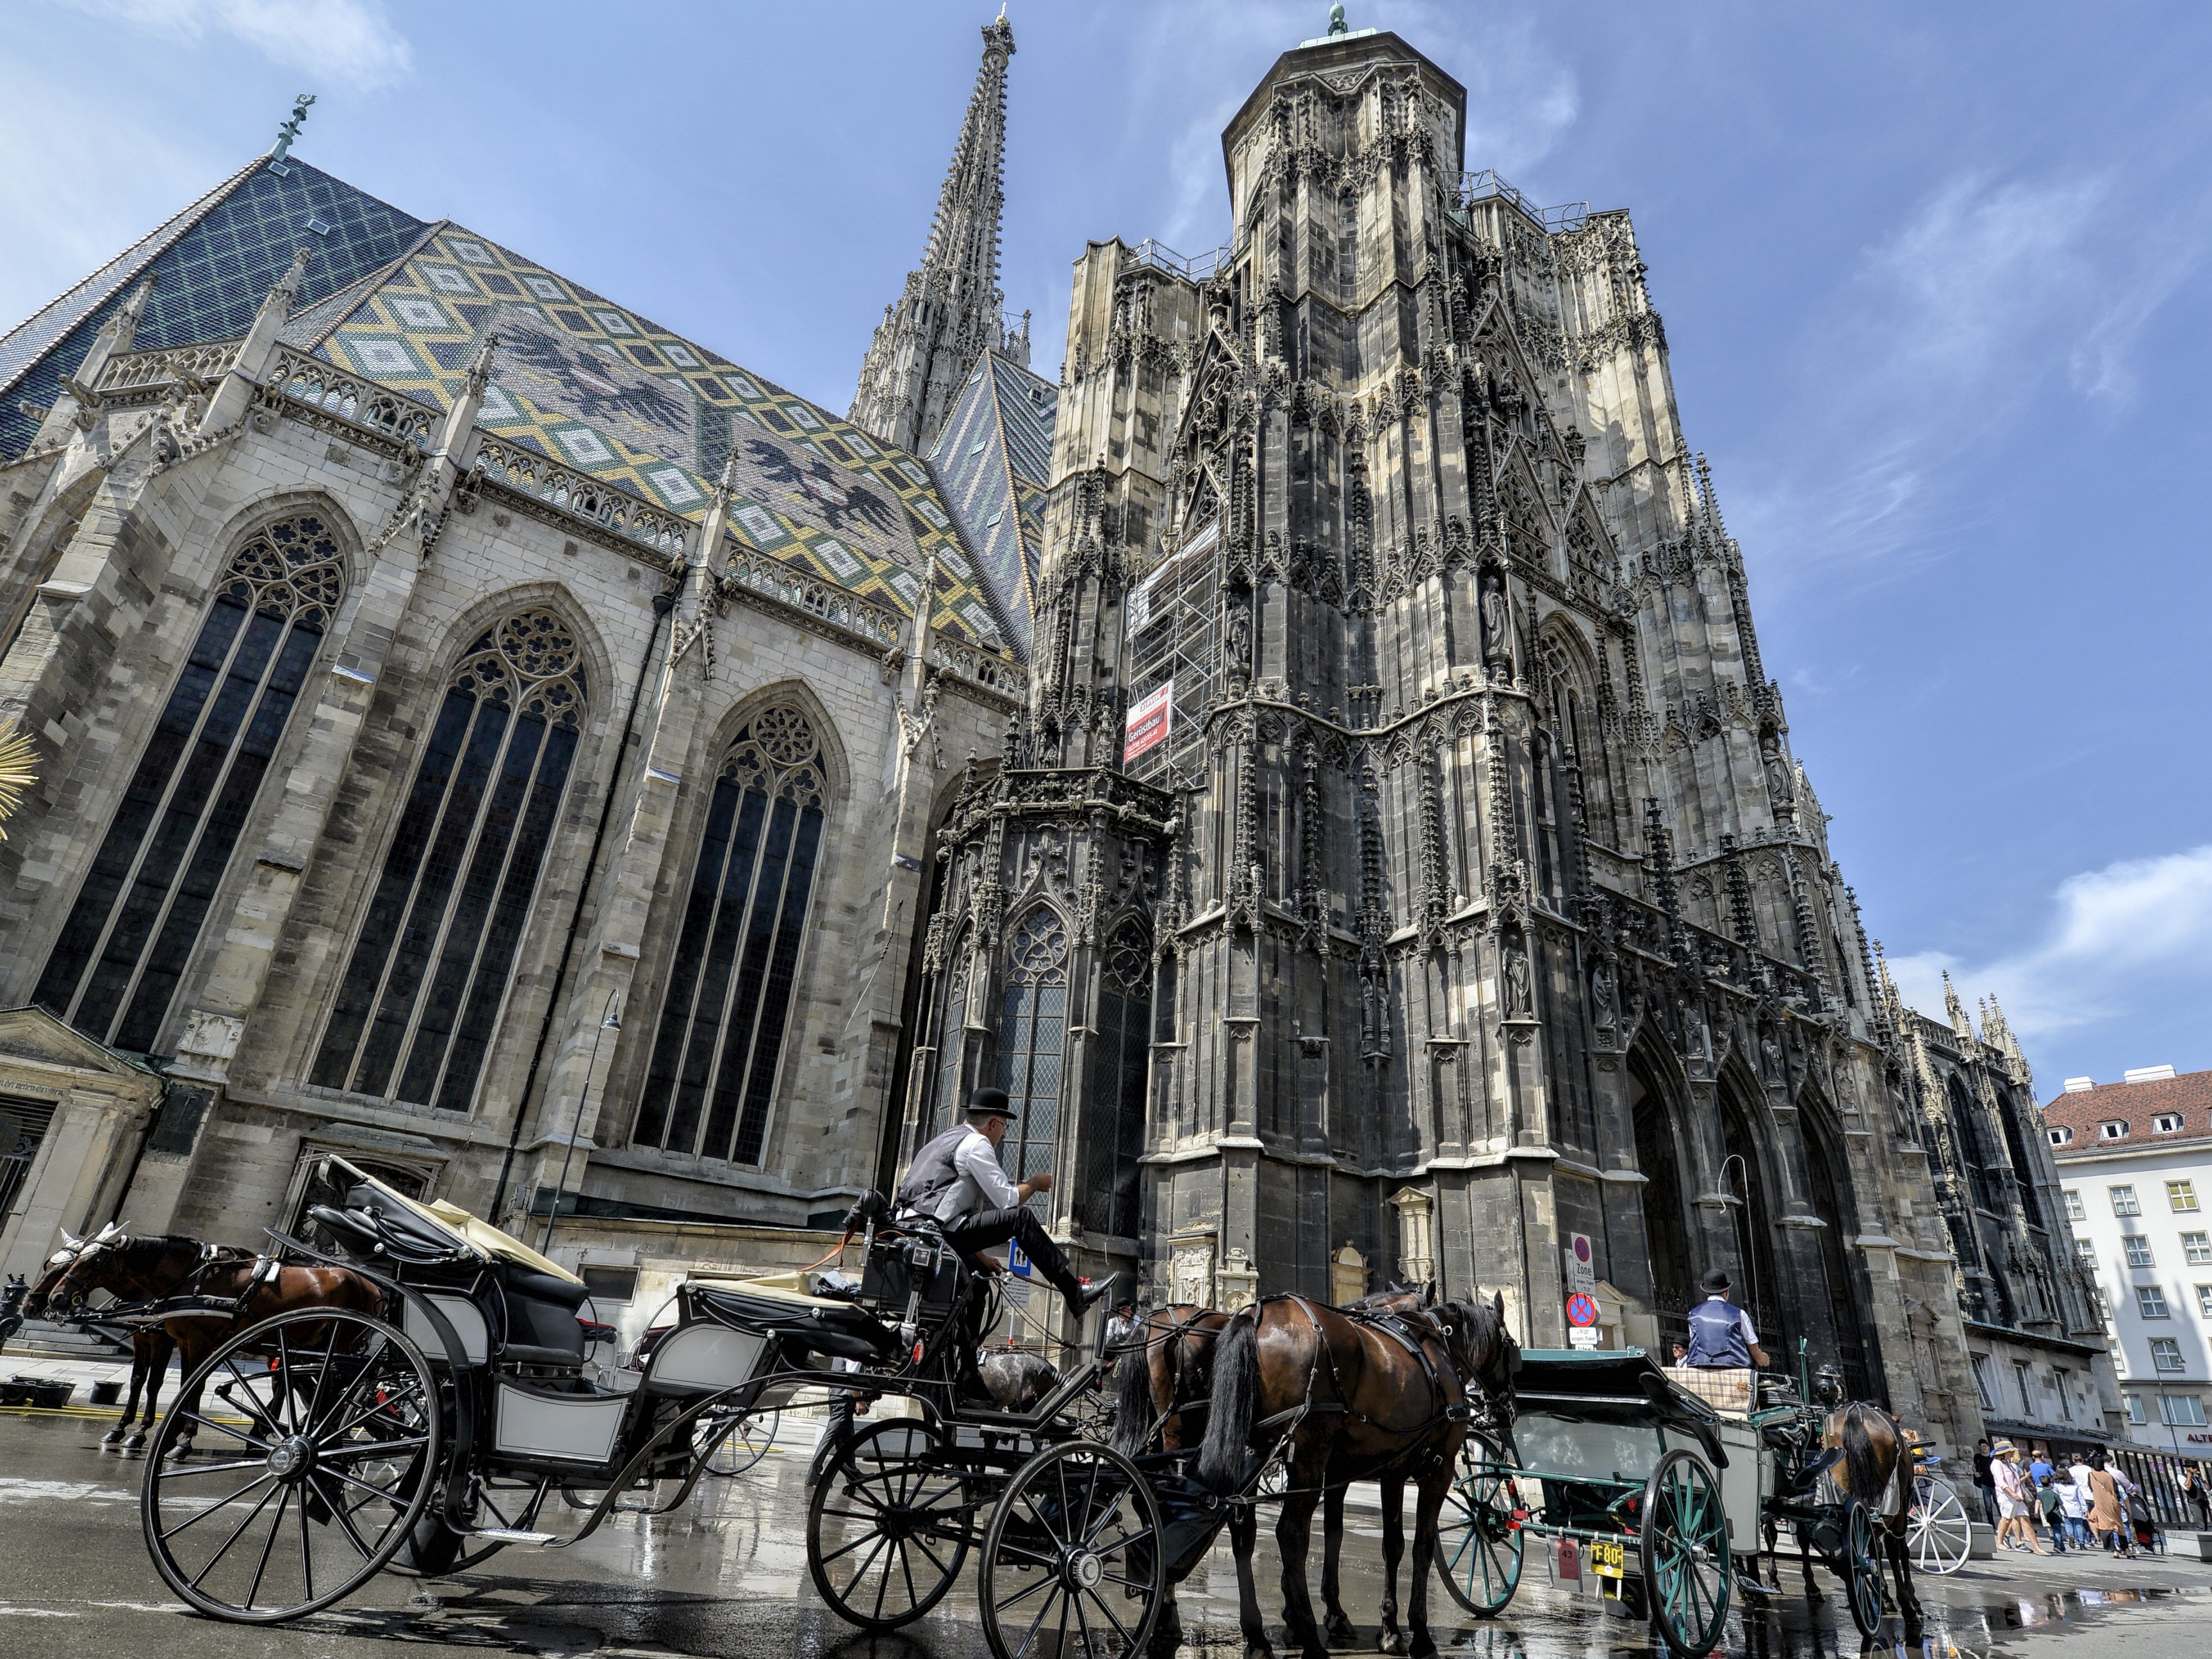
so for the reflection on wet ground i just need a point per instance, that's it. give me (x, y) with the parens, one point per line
(727, 1578)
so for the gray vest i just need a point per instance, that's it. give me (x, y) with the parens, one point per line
(932, 1174)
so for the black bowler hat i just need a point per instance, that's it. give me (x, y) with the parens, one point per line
(991, 1103)
(1715, 1282)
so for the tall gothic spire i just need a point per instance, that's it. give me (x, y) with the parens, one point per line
(949, 310)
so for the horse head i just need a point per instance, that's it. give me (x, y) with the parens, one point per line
(1483, 1348)
(76, 1270)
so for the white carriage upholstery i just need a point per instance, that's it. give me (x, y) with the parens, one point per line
(572, 1428)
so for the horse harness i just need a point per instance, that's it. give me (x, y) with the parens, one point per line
(1393, 1326)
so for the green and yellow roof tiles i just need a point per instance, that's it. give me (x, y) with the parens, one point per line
(601, 389)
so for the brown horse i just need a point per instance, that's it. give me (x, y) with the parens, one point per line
(1160, 1388)
(1876, 1471)
(154, 1269)
(1342, 1399)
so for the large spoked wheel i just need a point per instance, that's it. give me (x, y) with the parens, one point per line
(1938, 1532)
(324, 1431)
(747, 1442)
(1480, 1534)
(1073, 1561)
(887, 1526)
(1862, 1567)
(1687, 1573)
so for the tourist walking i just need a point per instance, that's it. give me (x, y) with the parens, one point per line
(2108, 1516)
(1982, 1482)
(2051, 1508)
(2073, 1504)
(2194, 1500)
(2015, 1530)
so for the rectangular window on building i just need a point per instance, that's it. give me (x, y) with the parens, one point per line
(2197, 1247)
(2204, 1300)
(2166, 1123)
(2086, 1252)
(2165, 1353)
(2182, 1194)
(2027, 1384)
(2150, 1302)
(2138, 1250)
(2062, 1381)
(2134, 1408)
(2123, 1199)
(2185, 1411)
(2061, 1135)
(1981, 1362)
(2074, 1211)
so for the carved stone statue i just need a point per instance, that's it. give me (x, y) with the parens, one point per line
(1518, 1005)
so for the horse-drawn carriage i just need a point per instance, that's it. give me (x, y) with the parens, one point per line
(1658, 1495)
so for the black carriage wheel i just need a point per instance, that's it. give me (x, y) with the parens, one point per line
(325, 1434)
(1862, 1567)
(1687, 1573)
(745, 1441)
(1073, 1559)
(887, 1526)
(1481, 1532)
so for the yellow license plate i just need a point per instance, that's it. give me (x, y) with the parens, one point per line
(1609, 1560)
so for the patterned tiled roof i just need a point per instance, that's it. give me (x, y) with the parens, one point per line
(212, 266)
(590, 383)
(2133, 1105)
(993, 459)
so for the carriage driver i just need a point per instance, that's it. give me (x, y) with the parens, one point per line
(1722, 1335)
(956, 1180)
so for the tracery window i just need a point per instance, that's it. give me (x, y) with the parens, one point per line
(951, 1035)
(1032, 1029)
(421, 998)
(712, 1077)
(114, 969)
(1109, 1202)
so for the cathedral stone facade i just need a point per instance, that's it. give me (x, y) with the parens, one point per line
(1317, 757)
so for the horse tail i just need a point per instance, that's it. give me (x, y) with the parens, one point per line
(1863, 1473)
(1132, 1397)
(1221, 1458)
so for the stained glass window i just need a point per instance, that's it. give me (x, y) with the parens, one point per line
(129, 933)
(712, 1077)
(420, 999)
(1032, 1029)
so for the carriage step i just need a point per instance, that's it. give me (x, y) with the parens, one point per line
(513, 1535)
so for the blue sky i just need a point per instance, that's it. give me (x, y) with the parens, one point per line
(1932, 279)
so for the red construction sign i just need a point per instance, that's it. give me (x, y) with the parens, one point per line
(1148, 718)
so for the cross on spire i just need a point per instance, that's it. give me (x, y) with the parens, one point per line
(949, 310)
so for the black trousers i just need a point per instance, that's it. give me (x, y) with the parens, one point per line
(1017, 1225)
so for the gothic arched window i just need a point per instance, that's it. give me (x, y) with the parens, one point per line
(421, 998)
(1032, 1029)
(1115, 1139)
(951, 1035)
(114, 969)
(712, 1076)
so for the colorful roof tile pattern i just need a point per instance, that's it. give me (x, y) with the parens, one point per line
(993, 460)
(211, 265)
(602, 389)
(589, 383)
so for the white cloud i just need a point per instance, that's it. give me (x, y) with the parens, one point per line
(2134, 927)
(350, 42)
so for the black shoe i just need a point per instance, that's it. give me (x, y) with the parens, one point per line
(1082, 1296)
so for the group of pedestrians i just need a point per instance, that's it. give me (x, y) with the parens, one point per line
(2086, 1504)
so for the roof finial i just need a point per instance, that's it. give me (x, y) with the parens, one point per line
(290, 130)
(1336, 23)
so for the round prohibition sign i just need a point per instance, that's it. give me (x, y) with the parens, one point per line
(1582, 1309)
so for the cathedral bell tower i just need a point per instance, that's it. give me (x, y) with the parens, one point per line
(950, 309)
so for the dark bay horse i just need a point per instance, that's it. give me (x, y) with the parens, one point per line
(1344, 1398)
(153, 1269)
(1877, 1472)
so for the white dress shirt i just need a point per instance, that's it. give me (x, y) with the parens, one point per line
(982, 1184)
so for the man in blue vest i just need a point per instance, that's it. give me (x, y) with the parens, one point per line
(1722, 1335)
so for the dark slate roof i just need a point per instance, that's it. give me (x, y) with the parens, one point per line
(993, 460)
(212, 266)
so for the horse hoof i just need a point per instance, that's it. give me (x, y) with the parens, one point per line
(1389, 1642)
(135, 1441)
(113, 1438)
(1339, 1631)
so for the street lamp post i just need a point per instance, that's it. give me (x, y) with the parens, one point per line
(610, 1020)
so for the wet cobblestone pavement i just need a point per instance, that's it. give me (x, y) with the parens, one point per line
(726, 1578)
